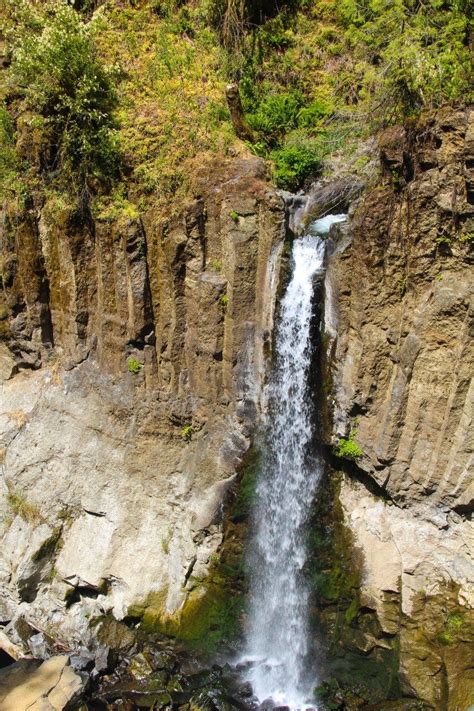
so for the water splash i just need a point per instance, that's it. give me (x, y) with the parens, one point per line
(324, 224)
(277, 638)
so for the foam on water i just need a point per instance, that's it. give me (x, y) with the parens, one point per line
(324, 224)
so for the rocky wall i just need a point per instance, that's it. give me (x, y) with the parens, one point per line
(132, 357)
(400, 358)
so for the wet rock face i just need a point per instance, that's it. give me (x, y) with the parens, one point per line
(157, 681)
(132, 357)
(399, 321)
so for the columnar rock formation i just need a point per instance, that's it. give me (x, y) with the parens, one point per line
(133, 350)
(132, 358)
(400, 323)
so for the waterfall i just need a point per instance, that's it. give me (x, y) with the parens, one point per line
(277, 636)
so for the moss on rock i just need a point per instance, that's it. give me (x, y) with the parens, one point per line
(358, 656)
(212, 611)
(245, 492)
(209, 616)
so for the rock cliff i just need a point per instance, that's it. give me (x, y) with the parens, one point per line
(400, 358)
(133, 352)
(132, 356)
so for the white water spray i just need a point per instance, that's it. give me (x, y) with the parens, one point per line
(278, 635)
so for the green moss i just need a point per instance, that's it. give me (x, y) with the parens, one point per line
(151, 611)
(334, 564)
(334, 583)
(216, 265)
(246, 490)
(209, 616)
(335, 569)
(446, 637)
(452, 628)
(456, 621)
(351, 612)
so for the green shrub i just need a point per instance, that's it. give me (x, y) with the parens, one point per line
(187, 433)
(311, 116)
(295, 162)
(276, 115)
(348, 448)
(453, 626)
(7, 140)
(233, 18)
(275, 34)
(8, 159)
(134, 366)
(56, 68)
(413, 54)
(224, 302)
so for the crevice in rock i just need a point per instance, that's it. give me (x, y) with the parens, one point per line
(99, 514)
(46, 323)
(148, 332)
(87, 591)
(5, 659)
(190, 569)
(353, 471)
(465, 510)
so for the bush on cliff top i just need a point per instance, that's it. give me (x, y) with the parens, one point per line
(55, 67)
(8, 159)
(310, 71)
(410, 54)
(234, 18)
(298, 159)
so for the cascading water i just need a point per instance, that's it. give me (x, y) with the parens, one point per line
(277, 636)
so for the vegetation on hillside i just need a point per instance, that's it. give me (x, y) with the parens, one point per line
(120, 99)
(68, 94)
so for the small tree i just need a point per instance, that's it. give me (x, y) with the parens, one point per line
(55, 66)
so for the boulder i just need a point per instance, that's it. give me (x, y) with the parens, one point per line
(32, 686)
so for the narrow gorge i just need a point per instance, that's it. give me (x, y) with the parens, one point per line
(236, 426)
